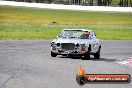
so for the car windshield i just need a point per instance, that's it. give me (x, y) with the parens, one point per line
(77, 34)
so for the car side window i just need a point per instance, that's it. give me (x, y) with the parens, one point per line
(92, 36)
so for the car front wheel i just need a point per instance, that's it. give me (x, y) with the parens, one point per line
(53, 54)
(97, 54)
(87, 55)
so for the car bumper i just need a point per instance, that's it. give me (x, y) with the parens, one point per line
(70, 52)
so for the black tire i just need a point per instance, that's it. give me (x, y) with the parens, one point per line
(64, 55)
(87, 55)
(97, 54)
(53, 54)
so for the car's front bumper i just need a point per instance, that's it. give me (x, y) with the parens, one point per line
(69, 52)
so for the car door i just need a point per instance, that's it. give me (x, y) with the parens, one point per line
(94, 42)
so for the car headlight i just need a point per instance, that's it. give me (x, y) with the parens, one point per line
(77, 45)
(58, 44)
(53, 44)
(83, 46)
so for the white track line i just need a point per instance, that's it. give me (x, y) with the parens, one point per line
(126, 61)
(68, 7)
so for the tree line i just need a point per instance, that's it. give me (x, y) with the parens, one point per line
(122, 3)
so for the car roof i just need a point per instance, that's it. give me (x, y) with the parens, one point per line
(77, 30)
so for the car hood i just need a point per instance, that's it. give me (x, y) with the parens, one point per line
(86, 41)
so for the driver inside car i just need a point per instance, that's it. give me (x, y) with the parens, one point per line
(85, 35)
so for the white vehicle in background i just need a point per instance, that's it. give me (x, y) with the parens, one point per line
(76, 42)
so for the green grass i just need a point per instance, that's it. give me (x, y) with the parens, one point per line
(32, 23)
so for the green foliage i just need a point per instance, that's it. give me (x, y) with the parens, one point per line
(31, 23)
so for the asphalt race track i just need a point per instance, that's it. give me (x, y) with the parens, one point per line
(28, 64)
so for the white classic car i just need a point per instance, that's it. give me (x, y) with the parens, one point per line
(76, 42)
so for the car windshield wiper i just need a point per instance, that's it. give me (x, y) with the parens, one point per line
(73, 37)
(63, 37)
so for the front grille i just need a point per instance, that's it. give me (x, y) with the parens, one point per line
(68, 46)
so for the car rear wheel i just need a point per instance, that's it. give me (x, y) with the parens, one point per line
(97, 54)
(53, 54)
